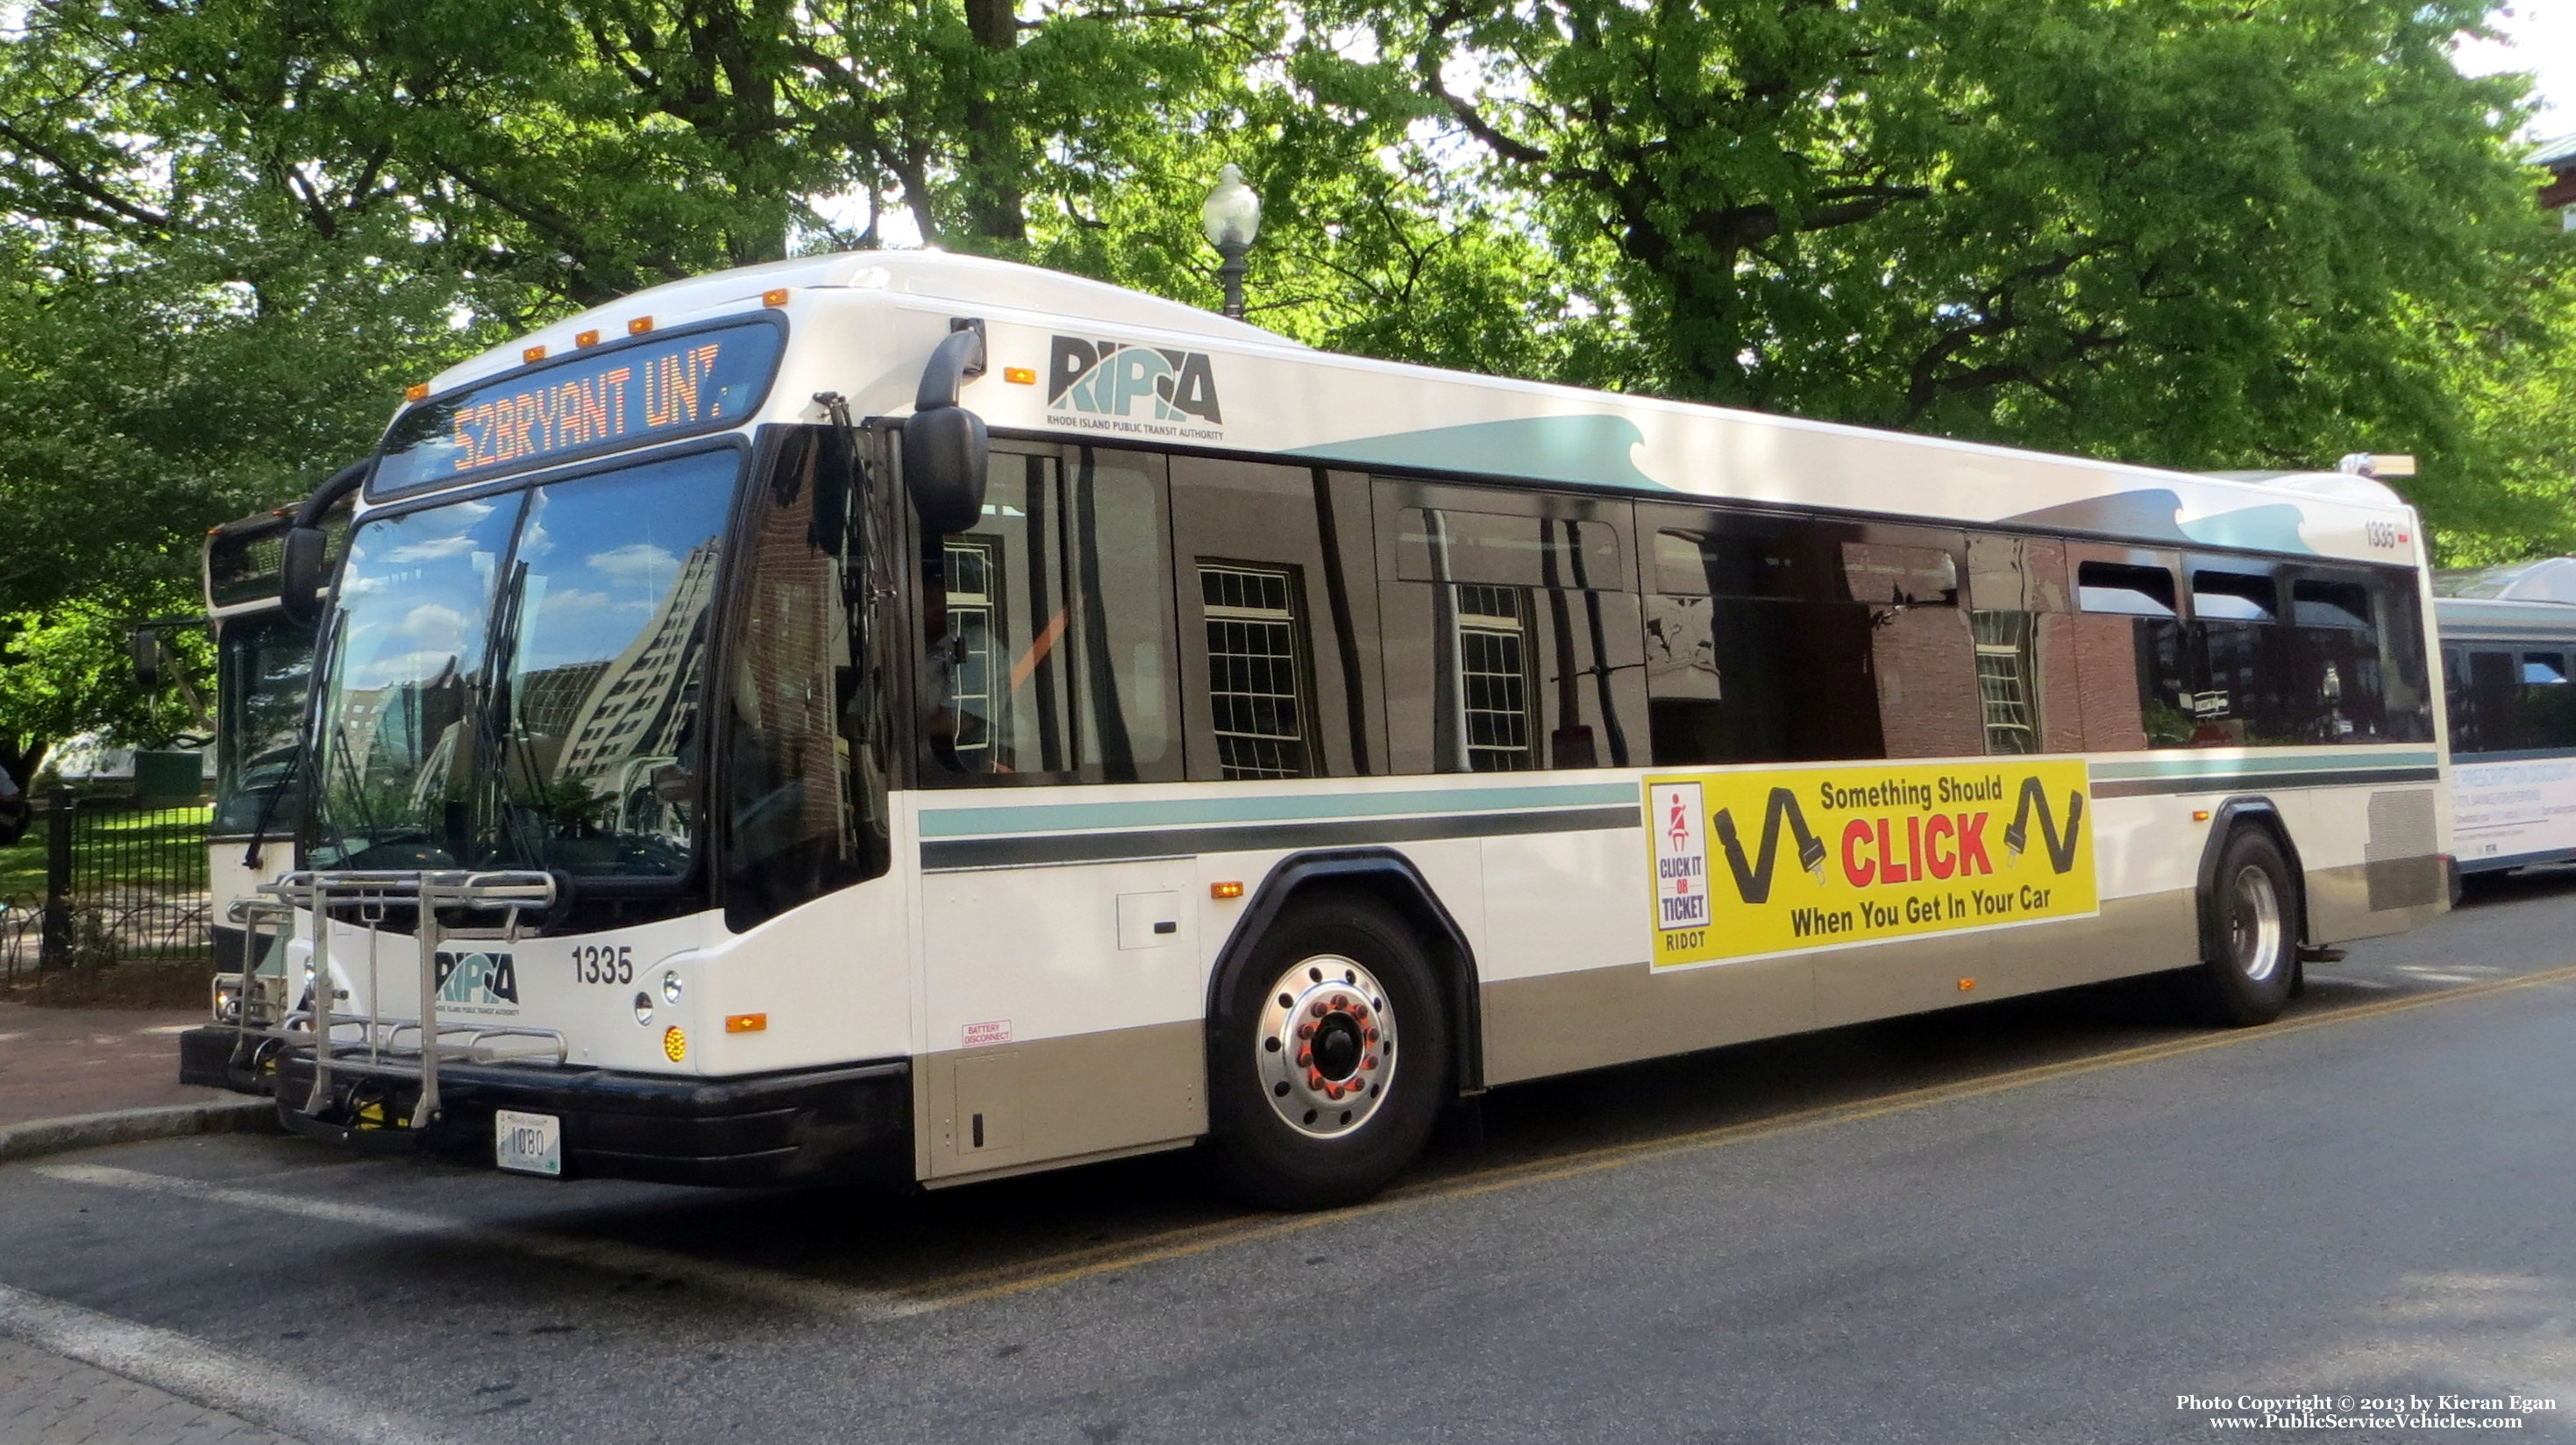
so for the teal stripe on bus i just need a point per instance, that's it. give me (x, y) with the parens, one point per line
(2194, 766)
(1270, 808)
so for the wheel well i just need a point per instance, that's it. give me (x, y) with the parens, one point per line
(2225, 820)
(1390, 878)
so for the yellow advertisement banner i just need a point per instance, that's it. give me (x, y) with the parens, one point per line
(1749, 864)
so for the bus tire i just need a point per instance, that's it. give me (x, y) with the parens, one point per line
(2253, 916)
(1329, 1062)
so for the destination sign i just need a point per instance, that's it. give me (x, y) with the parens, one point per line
(625, 397)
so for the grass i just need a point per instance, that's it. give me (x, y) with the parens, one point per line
(110, 849)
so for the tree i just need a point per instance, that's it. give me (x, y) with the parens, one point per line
(2173, 231)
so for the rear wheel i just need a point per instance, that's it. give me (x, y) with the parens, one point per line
(1327, 1068)
(2254, 929)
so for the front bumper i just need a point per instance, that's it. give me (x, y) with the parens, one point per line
(847, 1123)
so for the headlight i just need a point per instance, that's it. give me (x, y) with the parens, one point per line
(670, 987)
(643, 1008)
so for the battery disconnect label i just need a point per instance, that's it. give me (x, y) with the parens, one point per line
(1752, 864)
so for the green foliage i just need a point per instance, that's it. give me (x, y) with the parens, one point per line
(68, 669)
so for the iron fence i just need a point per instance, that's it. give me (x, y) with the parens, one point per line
(123, 881)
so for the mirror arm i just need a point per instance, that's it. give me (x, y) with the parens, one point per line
(958, 360)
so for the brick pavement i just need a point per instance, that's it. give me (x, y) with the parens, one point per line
(60, 1061)
(46, 1399)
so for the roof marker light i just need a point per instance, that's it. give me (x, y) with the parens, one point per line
(417, 391)
(533, 353)
(775, 296)
(639, 325)
(585, 338)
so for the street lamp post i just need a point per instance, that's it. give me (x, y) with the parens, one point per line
(1230, 217)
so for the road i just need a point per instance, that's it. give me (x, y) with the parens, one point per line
(2038, 1220)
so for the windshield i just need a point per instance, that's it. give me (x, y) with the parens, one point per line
(262, 665)
(515, 679)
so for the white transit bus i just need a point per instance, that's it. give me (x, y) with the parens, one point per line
(908, 716)
(263, 668)
(2508, 642)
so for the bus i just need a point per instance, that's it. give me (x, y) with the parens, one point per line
(919, 718)
(2507, 635)
(263, 667)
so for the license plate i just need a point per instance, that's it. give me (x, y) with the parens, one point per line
(528, 1143)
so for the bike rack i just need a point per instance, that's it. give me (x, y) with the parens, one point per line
(428, 891)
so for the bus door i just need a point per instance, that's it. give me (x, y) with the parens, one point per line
(1061, 982)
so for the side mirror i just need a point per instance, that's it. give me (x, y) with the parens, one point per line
(944, 450)
(944, 458)
(303, 572)
(145, 645)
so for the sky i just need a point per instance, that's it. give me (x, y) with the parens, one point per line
(2537, 36)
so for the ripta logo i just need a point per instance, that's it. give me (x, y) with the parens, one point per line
(477, 978)
(1110, 378)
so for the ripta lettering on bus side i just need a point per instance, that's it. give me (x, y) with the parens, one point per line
(1888, 852)
(1118, 386)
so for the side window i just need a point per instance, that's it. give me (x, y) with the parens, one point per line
(1512, 633)
(2237, 699)
(1922, 649)
(2356, 671)
(2024, 635)
(1049, 627)
(1785, 639)
(2548, 701)
(1278, 620)
(2495, 700)
(2129, 649)
(806, 692)
(2458, 703)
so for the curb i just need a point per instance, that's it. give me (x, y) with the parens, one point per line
(124, 1126)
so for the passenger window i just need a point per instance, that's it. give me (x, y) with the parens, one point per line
(2024, 642)
(1512, 637)
(1049, 650)
(2317, 603)
(2234, 596)
(1279, 622)
(1780, 641)
(2114, 587)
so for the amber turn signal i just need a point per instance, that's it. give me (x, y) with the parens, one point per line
(774, 297)
(2200, 815)
(1020, 375)
(675, 1044)
(746, 1023)
(1225, 890)
(1966, 984)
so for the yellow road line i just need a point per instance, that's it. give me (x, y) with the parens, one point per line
(955, 1290)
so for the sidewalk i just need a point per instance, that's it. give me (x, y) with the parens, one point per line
(46, 1399)
(56, 1062)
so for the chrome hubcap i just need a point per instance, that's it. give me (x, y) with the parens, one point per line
(1325, 1048)
(2254, 924)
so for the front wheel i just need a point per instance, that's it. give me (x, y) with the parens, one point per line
(2253, 913)
(1326, 1070)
